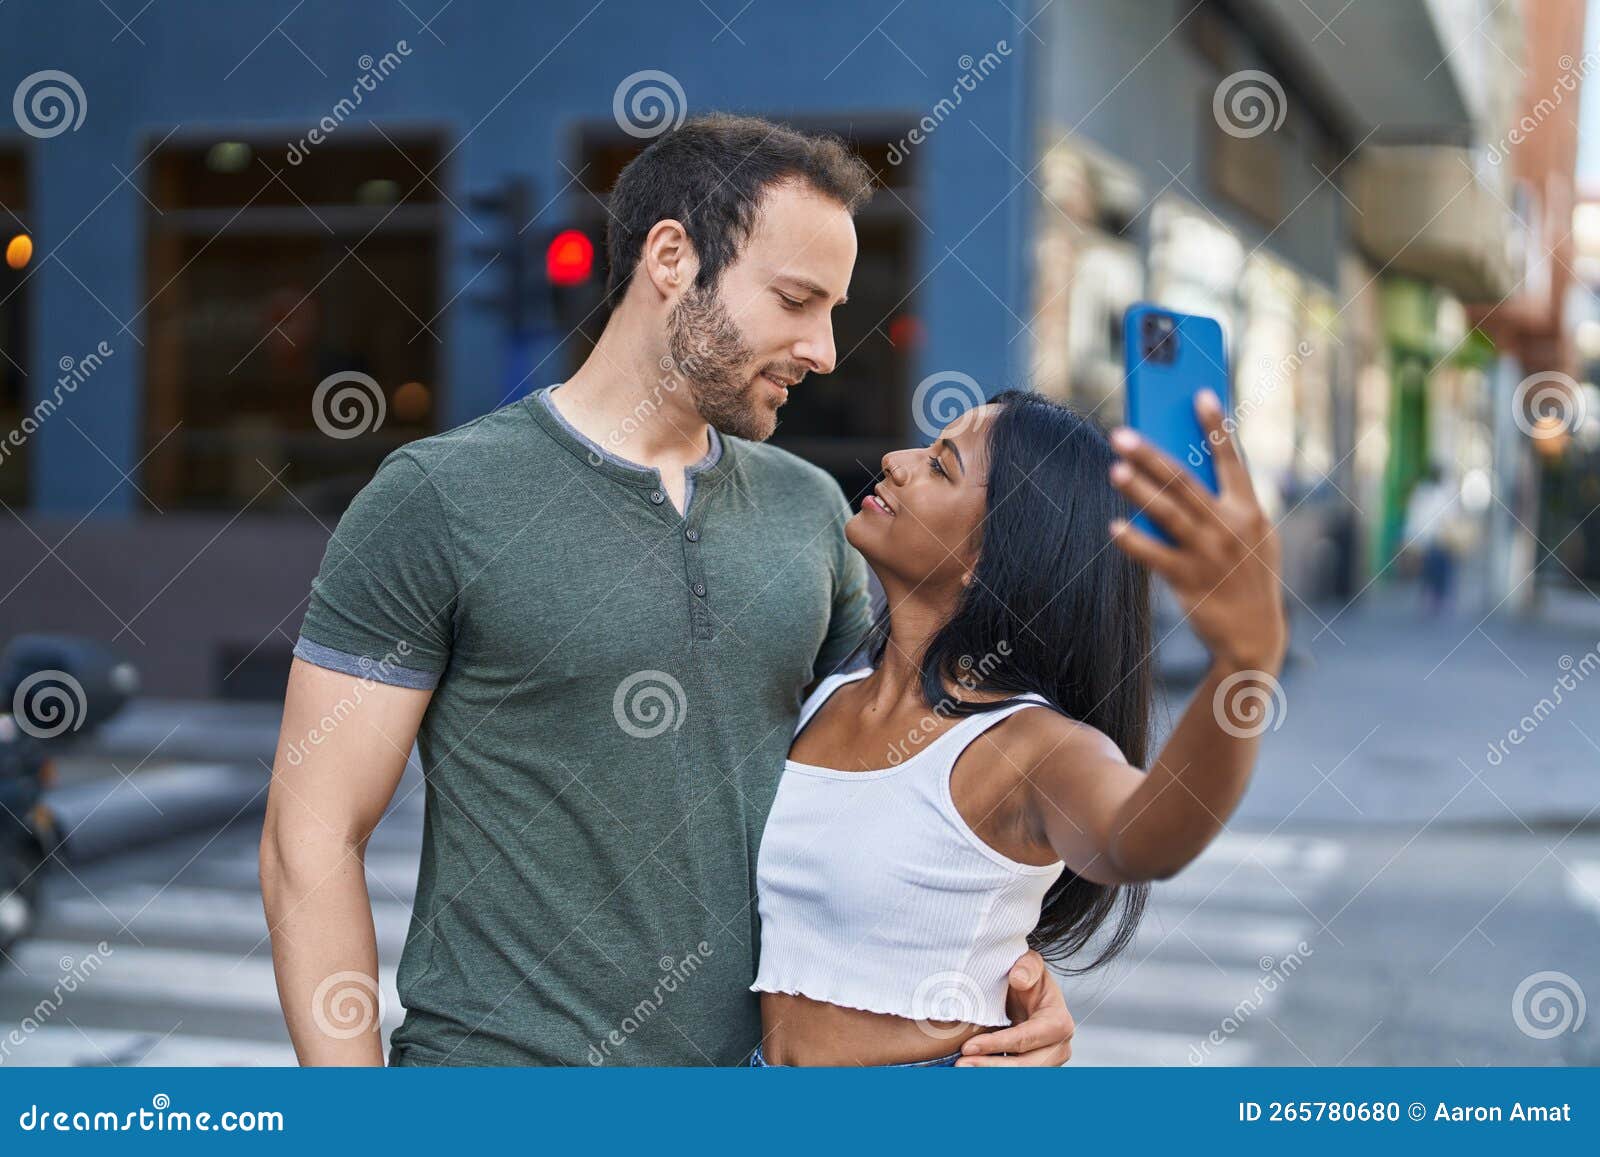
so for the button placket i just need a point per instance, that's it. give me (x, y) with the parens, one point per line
(694, 572)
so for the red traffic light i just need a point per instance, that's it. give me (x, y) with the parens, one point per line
(570, 258)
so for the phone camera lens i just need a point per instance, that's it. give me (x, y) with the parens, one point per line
(1160, 338)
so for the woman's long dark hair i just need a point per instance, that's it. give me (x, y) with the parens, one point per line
(1074, 614)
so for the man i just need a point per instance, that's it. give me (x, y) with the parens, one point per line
(596, 612)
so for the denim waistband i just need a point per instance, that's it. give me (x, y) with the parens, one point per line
(758, 1061)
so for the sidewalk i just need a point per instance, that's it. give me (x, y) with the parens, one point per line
(1393, 718)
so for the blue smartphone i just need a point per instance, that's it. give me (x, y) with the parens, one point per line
(1170, 357)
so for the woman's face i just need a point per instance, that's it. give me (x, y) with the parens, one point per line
(922, 524)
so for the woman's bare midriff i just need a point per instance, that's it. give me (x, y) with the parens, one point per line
(797, 1030)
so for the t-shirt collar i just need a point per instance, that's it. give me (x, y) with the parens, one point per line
(717, 461)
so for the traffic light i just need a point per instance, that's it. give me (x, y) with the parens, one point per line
(569, 258)
(538, 266)
(538, 261)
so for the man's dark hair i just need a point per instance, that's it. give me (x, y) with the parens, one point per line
(710, 174)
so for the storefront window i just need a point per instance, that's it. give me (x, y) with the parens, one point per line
(1280, 329)
(1086, 275)
(260, 288)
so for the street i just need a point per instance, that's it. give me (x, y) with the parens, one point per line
(1376, 901)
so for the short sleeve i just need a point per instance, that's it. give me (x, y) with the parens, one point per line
(384, 601)
(851, 616)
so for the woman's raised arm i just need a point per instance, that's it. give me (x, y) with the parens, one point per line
(1108, 822)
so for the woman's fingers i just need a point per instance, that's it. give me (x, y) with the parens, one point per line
(1232, 476)
(1157, 501)
(1168, 473)
(1140, 547)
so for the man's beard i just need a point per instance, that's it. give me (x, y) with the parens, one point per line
(710, 353)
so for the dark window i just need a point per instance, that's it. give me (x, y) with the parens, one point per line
(17, 262)
(266, 278)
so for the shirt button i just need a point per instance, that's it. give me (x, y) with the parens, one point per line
(657, 497)
(699, 590)
(692, 535)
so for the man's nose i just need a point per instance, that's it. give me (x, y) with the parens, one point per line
(816, 349)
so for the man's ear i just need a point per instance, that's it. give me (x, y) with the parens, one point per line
(669, 261)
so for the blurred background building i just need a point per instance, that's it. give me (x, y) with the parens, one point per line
(1375, 199)
(214, 214)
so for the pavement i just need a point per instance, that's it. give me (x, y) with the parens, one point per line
(1388, 893)
(1390, 717)
(1354, 946)
(1371, 946)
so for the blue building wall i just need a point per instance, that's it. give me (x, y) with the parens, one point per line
(506, 82)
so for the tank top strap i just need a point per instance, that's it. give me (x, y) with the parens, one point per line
(961, 736)
(823, 690)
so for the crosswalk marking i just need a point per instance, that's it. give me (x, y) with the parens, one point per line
(1216, 935)
(1216, 947)
(1107, 1046)
(177, 975)
(1200, 952)
(205, 914)
(1583, 884)
(52, 1045)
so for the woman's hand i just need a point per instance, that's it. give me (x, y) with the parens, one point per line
(1223, 564)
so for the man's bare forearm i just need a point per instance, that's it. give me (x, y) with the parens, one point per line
(328, 794)
(324, 949)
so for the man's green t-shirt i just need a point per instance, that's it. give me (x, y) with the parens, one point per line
(615, 688)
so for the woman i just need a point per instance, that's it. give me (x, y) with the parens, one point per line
(977, 791)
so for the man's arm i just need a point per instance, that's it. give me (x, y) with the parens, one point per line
(1040, 1035)
(329, 790)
